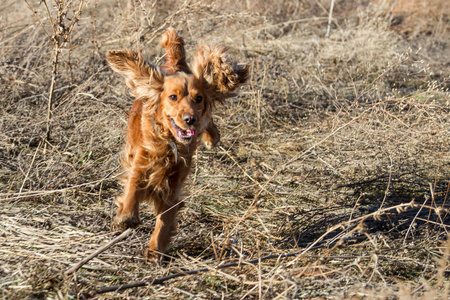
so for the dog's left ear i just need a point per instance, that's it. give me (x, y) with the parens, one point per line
(220, 73)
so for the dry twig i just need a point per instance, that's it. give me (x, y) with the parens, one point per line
(100, 250)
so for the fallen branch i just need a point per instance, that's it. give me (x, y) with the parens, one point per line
(193, 272)
(103, 248)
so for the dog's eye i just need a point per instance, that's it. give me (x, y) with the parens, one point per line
(173, 97)
(198, 99)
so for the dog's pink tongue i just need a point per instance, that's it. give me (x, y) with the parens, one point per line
(190, 132)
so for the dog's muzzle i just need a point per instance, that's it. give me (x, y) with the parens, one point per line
(183, 134)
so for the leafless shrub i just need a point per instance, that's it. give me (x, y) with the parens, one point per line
(62, 25)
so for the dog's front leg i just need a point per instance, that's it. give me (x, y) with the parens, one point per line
(211, 136)
(165, 228)
(127, 214)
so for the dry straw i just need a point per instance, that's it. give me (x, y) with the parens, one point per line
(333, 164)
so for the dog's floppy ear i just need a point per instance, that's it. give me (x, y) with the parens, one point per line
(141, 77)
(175, 53)
(222, 75)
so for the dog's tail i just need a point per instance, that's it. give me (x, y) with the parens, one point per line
(175, 53)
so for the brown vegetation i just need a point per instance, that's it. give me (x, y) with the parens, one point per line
(338, 148)
(414, 17)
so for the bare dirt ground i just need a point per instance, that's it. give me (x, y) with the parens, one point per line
(337, 151)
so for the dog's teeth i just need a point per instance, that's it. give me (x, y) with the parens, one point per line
(190, 132)
(186, 133)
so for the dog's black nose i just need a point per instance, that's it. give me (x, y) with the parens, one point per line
(190, 119)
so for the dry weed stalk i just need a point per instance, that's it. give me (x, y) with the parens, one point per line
(330, 16)
(62, 26)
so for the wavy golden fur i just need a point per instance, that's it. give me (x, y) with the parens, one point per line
(172, 111)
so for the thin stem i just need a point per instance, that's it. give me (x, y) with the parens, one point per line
(329, 19)
(38, 19)
(52, 91)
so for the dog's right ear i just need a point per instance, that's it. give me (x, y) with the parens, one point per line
(140, 77)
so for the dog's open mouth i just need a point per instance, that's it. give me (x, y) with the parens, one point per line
(183, 134)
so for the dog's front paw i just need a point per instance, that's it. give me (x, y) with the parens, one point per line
(209, 140)
(124, 221)
(152, 256)
(208, 144)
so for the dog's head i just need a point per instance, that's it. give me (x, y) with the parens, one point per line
(184, 107)
(180, 102)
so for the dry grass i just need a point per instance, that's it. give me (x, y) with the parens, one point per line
(338, 147)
